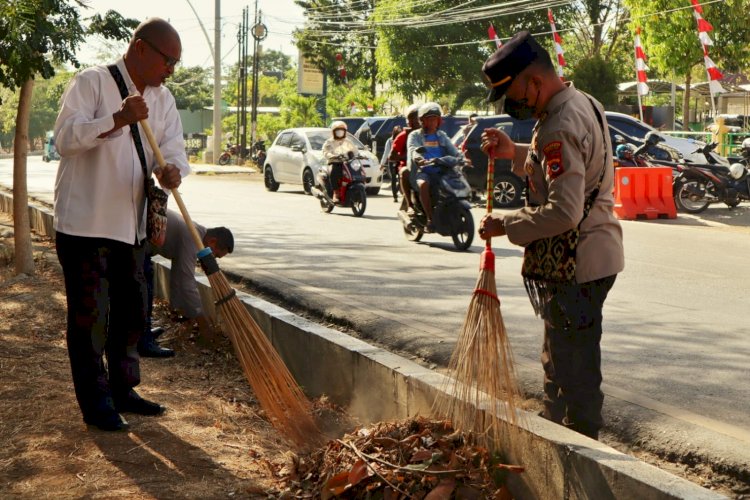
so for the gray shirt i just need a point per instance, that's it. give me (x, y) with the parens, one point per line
(180, 248)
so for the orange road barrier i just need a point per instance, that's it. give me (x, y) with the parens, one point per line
(644, 193)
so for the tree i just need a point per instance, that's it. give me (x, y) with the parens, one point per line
(34, 35)
(192, 88)
(596, 77)
(671, 38)
(337, 34)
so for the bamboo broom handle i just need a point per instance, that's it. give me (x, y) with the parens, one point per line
(160, 160)
(490, 188)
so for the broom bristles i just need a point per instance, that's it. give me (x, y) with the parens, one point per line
(482, 367)
(276, 390)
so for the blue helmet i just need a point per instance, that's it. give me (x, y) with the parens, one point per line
(624, 152)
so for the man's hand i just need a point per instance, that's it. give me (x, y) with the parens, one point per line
(169, 176)
(497, 144)
(491, 225)
(132, 110)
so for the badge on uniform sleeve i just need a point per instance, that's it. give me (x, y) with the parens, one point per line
(553, 156)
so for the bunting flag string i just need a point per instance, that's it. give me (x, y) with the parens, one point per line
(640, 65)
(558, 45)
(714, 75)
(493, 36)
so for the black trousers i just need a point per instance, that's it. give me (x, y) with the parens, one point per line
(336, 174)
(395, 179)
(106, 293)
(571, 355)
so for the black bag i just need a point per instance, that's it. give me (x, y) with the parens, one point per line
(550, 262)
(156, 198)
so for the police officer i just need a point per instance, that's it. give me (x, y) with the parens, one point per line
(569, 157)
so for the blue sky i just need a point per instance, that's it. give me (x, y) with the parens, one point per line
(279, 16)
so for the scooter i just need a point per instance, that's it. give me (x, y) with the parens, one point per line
(451, 213)
(351, 188)
(700, 185)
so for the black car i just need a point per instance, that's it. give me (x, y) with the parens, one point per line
(508, 191)
(352, 122)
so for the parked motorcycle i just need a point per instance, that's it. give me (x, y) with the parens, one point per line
(351, 188)
(232, 150)
(700, 185)
(258, 153)
(451, 213)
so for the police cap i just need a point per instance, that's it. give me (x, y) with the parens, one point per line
(509, 61)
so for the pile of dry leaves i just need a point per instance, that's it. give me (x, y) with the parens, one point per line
(416, 458)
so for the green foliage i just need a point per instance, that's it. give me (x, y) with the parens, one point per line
(598, 78)
(192, 88)
(339, 27)
(341, 98)
(671, 42)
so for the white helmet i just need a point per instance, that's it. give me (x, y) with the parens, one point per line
(745, 148)
(430, 109)
(736, 170)
(338, 124)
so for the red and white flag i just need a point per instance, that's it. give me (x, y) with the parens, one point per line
(714, 75)
(558, 45)
(640, 64)
(494, 37)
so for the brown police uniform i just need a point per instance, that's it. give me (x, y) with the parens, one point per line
(565, 160)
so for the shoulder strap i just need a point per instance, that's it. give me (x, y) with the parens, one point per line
(590, 200)
(115, 71)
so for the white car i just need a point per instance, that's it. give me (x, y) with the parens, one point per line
(296, 155)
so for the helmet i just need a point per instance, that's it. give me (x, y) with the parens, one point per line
(745, 148)
(430, 109)
(624, 152)
(652, 138)
(338, 124)
(412, 110)
(736, 170)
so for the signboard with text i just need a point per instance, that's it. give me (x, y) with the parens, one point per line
(309, 77)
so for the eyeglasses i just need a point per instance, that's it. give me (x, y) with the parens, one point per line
(170, 61)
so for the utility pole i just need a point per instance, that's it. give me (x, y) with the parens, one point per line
(217, 81)
(243, 93)
(259, 33)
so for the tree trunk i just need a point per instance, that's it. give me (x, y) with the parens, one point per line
(374, 72)
(24, 257)
(686, 103)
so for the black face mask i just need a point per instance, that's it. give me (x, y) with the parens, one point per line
(520, 109)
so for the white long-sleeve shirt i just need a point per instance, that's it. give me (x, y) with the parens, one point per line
(99, 190)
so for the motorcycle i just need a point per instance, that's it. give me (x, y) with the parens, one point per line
(230, 151)
(258, 153)
(451, 213)
(699, 185)
(351, 188)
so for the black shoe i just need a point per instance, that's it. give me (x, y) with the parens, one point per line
(150, 349)
(156, 332)
(133, 403)
(107, 421)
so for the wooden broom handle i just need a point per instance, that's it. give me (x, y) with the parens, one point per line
(160, 160)
(490, 194)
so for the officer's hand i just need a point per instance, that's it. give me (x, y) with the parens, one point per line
(497, 144)
(169, 176)
(132, 110)
(490, 226)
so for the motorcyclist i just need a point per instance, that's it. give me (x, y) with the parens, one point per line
(435, 143)
(398, 153)
(333, 149)
(624, 153)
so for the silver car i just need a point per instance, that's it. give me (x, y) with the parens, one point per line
(296, 154)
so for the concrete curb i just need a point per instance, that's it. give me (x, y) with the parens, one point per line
(374, 384)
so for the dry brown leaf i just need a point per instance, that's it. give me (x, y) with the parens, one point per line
(359, 472)
(443, 490)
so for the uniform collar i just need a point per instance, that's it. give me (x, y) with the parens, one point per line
(560, 98)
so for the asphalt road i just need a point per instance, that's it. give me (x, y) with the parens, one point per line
(676, 344)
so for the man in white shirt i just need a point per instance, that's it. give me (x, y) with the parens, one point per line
(100, 219)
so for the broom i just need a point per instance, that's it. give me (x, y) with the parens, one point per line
(275, 388)
(482, 361)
